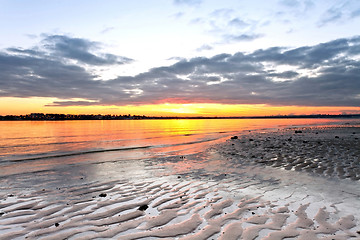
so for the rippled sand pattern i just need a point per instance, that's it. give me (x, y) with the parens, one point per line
(182, 209)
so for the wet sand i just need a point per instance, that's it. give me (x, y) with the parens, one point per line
(261, 185)
(328, 151)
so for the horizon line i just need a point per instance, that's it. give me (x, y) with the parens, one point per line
(62, 116)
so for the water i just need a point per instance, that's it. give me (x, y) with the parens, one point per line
(44, 147)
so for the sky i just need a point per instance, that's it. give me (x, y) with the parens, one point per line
(180, 57)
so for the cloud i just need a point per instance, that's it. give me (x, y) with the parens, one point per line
(81, 50)
(237, 22)
(340, 12)
(241, 37)
(45, 70)
(204, 47)
(355, 13)
(222, 12)
(290, 3)
(228, 26)
(304, 5)
(294, 8)
(107, 29)
(72, 103)
(325, 74)
(284, 75)
(331, 15)
(188, 2)
(178, 15)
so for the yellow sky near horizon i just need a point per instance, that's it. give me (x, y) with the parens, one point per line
(22, 106)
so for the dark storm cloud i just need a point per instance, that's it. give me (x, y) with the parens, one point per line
(80, 50)
(284, 75)
(43, 71)
(326, 74)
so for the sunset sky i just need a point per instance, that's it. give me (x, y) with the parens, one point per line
(180, 57)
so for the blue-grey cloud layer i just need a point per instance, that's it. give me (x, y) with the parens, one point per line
(80, 50)
(188, 2)
(326, 74)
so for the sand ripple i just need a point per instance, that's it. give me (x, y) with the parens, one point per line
(177, 209)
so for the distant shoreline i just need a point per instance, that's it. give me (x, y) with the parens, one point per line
(70, 117)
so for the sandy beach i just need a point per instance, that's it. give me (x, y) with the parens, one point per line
(297, 183)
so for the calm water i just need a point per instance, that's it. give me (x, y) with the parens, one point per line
(29, 147)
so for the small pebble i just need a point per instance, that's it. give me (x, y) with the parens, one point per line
(143, 207)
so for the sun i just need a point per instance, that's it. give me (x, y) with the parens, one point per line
(183, 109)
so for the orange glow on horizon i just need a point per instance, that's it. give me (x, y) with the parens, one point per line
(22, 106)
